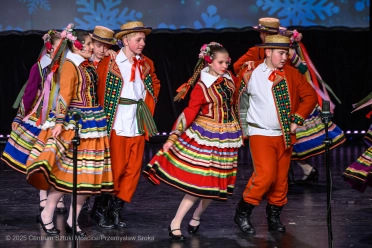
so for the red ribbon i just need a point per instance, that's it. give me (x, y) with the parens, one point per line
(136, 62)
(275, 73)
(95, 63)
(369, 115)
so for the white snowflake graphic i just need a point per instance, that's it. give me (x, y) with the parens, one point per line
(298, 12)
(105, 13)
(32, 5)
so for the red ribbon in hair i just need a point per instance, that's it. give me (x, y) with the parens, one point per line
(136, 62)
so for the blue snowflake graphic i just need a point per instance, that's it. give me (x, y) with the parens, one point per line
(361, 5)
(170, 26)
(104, 14)
(299, 12)
(211, 19)
(33, 4)
(10, 28)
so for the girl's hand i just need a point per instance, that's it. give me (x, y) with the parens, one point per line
(56, 131)
(293, 127)
(167, 145)
(14, 126)
(111, 53)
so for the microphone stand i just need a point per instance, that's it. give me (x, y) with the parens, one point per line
(75, 142)
(326, 116)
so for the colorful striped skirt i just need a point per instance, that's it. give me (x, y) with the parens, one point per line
(359, 174)
(51, 160)
(202, 162)
(20, 143)
(368, 136)
(311, 135)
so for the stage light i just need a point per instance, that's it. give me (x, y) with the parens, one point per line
(362, 131)
(355, 131)
(1, 136)
(164, 133)
(348, 131)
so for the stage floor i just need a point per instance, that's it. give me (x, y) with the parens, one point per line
(153, 207)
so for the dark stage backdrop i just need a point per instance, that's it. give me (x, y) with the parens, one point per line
(341, 55)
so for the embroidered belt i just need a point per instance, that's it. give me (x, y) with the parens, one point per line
(143, 115)
(257, 126)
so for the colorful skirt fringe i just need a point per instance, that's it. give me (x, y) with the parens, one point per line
(359, 174)
(202, 162)
(20, 143)
(51, 160)
(310, 137)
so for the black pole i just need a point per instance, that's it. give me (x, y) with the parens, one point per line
(326, 116)
(75, 143)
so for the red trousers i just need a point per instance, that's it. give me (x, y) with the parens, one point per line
(271, 163)
(126, 163)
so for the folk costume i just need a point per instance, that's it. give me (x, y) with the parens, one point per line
(33, 108)
(203, 160)
(358, 174)
(269, 100)
(128, 92)
(50, 162)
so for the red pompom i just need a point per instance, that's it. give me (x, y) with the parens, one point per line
(48, 46)
(78, 45)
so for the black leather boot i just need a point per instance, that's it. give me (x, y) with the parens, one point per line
(114, 212)
(99, 212)
(87, 208)
(243, 215)
(273, 218)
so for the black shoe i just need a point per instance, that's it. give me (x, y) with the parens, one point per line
(87, 208)
(79, 234)
(312, 177)
(61, 210)
(193, 229)
(114, 212)
(41, 208)
(273, 218)
(243, 215)
(99, 212)
(51, 231)
(175, 237)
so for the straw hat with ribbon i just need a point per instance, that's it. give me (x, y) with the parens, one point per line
(269, 25)
(104, 35)
(277, 42)
(132, 27)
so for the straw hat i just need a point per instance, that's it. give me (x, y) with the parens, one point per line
(277, 41)
(132, 27)
(268, 24)
(104, 35)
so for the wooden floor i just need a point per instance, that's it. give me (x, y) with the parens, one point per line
(153, 207)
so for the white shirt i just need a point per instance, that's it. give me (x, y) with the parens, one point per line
(45, 61)
(75, 58)
(209, 79)
(262, 109)
(125, 123)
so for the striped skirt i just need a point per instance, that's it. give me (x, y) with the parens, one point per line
(368, 136)
(202, 162)
(20, 143)
(310, 137)
(51, 160)
(359, 174)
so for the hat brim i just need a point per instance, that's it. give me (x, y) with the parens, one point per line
(121, 33)
(271, 31)
(276, 46)
(112, 42)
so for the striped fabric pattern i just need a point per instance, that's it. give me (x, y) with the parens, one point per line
(203, 161)
(310, 137)
(359, 174)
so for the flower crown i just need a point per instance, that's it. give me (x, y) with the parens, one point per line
(205, 52)
(48, 36)
(70, 35)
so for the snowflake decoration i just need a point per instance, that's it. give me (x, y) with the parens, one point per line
(10, 28)
(211, 19)
(361, 5)
(33, 4)
(170, 26)
(299, 12)
(104, 14)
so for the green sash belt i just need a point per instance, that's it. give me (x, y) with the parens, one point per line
(143, 114)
